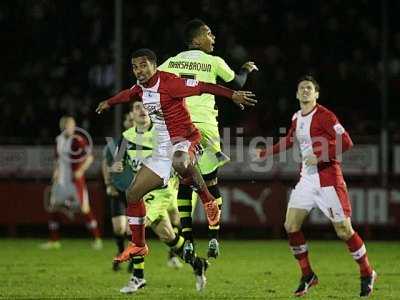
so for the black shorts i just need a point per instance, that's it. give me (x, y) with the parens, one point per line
(118, 205)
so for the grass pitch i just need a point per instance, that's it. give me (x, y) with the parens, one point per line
(245, 270)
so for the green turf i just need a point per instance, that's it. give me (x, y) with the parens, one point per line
(245, 270)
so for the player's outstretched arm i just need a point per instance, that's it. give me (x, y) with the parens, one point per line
(122, 97)
(283, 144)
(181, 88)
(250, 66)
(236, 80)
(241, 77)
(103, 105)
(242, 98)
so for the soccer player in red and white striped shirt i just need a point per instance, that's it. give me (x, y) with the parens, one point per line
(321, 139)
(177, 139)
(73, 158)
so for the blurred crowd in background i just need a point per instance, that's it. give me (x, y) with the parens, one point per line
(57, 58)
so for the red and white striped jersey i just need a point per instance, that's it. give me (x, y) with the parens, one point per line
(163, 97)
(70, 154)
(320, 133)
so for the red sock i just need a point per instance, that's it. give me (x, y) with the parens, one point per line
(136, 213)
(205, 195)
(54, 226)
(92, 225)
(357, 249)
(299, 248)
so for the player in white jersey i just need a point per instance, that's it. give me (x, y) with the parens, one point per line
(69, 191)
(321, 139)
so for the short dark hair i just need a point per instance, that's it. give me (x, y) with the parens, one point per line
(192, 29)
(151, 56)
(311, 79)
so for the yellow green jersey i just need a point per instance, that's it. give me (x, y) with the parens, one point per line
(196, 64)
(136, 147)
(139, 146)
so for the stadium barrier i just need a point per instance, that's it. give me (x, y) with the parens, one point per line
(251, 199)
(259, 205)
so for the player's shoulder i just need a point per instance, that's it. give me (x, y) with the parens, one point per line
(296, 115)
(129, 133)
(79, 140)
(192, 54)
(135, 88)
(217, 59)
(199, 55)
(59, 137)
(165, 76)
(324, 111)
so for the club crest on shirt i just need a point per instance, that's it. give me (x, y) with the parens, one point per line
(148, 94)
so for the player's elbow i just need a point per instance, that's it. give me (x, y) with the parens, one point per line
(88, 161)
(347, 143)
(350, 144)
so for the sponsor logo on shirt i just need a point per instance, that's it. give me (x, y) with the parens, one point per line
(339, 129)
(192, 82)
(154, 111)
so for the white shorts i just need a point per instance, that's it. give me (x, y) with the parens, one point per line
(333, 201)
(68, 195)
(162, 164)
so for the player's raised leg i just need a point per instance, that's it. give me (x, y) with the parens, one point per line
(294, 220)
(184, 164)
(146, 180)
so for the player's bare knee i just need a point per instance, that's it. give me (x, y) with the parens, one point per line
(180, 162)
(165, 237)
(180, 167)
(119, 229)
(132, 195)
(85, 209)
(343, 232)
(291, 227)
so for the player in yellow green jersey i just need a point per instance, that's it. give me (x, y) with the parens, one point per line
(122, 163)
(197, 63)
